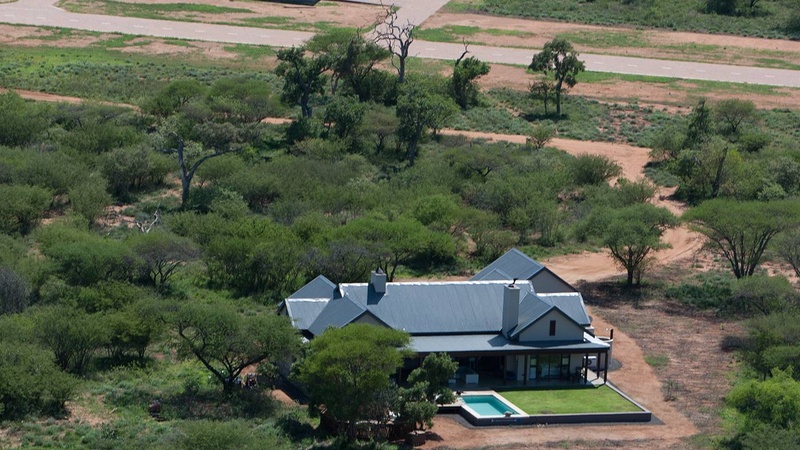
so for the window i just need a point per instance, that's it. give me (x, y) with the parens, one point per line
(552, 328)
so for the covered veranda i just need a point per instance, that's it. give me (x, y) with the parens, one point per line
(492, 361)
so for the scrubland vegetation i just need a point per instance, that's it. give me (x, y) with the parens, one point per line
(145, 246)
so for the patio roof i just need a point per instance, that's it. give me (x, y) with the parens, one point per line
(496, 343)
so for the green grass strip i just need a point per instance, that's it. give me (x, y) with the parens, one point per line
(577, 400)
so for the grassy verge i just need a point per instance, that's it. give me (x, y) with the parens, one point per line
(569, 400)
(777, 19)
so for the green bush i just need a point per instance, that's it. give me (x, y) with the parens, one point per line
(707, 291)
(30, 383)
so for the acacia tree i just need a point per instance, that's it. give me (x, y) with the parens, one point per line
(559, 58)
(633, 233)
(741, 231)
(347, 370)
(226, 342)
(162, 253)
(352, 59)
(397, 37)
(732, 113)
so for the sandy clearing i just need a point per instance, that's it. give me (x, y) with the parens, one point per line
(264, 14)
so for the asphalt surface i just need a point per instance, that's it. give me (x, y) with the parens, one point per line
(44, 13)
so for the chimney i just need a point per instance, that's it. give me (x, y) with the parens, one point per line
(510, 308)
(377, 279)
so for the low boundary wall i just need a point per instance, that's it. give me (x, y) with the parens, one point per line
(643, 415)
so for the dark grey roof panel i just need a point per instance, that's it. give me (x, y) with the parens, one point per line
(498, 343)
(514, 263)
(304, 311)
(437, 308)
(571, 303)
(531, 307)
(337, 313)
(496, 275)
(319, 287)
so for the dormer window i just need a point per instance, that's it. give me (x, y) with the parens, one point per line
(552, 328)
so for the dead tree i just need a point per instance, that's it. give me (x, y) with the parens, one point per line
(396, 36)
(145, 226)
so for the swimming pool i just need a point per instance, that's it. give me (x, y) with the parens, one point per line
(489, 405)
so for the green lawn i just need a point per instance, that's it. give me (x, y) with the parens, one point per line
(569, 401)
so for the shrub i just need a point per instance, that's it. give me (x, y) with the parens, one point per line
(594, 169)
(30, 383)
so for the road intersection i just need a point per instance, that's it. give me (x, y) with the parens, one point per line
(45, 13)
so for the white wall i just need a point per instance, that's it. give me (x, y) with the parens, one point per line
(545, 282)
(566, 330)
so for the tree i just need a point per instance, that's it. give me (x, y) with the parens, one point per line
(30, 383)
(302, 77)
(13, 292)
(344, 115)
(347, 370)
(542, 90)
(162, 254)
(632, 233)
(462, 83)
(173, 97)
(741, 231)
(20, 121)
(418, 110)
(773, 402)
(394, 242)
(733, 113)
(559, 58)
(71, 334)
(699, 129)
(220, 146)
(352, 58)
(21, 207)
(419, 402)
(226, 342)
(787, 246)
(242, 100)
(398, 38)
(89, 198)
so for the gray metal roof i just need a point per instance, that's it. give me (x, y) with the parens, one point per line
(337, 313)
(571, 303)
(437, 307)
(319, 287)
(484, 343)
(304, 311)
(514, 263)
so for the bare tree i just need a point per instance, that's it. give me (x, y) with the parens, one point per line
(397, 37)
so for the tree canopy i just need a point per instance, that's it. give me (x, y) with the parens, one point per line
(741, 231)
(347, 370)
(560, 59)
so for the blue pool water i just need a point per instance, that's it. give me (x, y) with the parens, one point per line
(487, 405)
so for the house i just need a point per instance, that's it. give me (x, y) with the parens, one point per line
(514, 321)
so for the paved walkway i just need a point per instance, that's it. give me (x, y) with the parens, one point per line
(44, 13)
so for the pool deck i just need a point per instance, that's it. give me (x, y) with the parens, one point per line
(522, 418)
